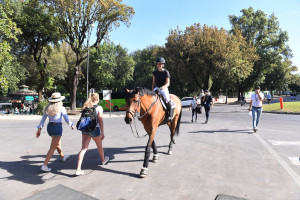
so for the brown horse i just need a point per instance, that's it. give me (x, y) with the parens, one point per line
(152, 115)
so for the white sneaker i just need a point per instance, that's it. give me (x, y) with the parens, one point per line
(106, 159)
(66, 157)
(79, 172)
(45, 168)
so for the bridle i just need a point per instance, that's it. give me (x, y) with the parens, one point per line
(133, 113)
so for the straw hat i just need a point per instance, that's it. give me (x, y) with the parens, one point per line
(56, 97)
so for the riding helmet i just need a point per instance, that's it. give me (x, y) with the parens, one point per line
(160, 60)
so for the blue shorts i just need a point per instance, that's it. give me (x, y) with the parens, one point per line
(95, 133)
(54, 129)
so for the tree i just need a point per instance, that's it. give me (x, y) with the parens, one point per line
(40, 31)
(111, 67)
(76, 17)
(8, 33)
(270, 41)
(144, 66)
(201, 55)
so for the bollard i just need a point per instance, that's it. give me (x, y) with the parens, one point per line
(281, 102)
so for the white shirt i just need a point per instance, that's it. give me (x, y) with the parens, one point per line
(256, 102)
(194, 104)
(99, 109)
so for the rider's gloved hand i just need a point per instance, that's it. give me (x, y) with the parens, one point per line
(161, 88)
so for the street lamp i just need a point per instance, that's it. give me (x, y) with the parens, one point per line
(88, 59)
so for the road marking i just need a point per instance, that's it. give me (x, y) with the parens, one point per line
(295, 160)
(285, 143)
(287, 168)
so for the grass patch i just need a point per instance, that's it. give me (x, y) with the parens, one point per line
(287, 107)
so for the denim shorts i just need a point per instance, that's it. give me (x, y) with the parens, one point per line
(96, 132)
(54, 129)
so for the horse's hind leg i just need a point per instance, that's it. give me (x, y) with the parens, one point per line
(172, 127)
(155, 156)
(172, 141)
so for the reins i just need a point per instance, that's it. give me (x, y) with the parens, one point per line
(140, 117)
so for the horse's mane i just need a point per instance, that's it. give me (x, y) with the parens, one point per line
(141, 91)
(146, 91)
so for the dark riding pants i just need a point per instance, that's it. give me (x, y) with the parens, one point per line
(207, 110)
(194, 112)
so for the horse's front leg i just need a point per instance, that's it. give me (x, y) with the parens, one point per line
(155, 156)
(144, 170)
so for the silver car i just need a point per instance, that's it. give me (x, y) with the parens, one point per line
(186, 101)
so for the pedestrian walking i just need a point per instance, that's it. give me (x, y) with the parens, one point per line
(193, 106)
(207, 102)
(269, 97)
(256, 102)
(97, 134)
(55, 111)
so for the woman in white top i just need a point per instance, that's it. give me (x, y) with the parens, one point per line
(97, 134)
(55, 112)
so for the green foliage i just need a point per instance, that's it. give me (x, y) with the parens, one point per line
(144, 67)
(271, 45)
(294, 83)
(8, 32)
(75, 20)
(41, 106)
(200, 56)
(40, 30)
(110, 67)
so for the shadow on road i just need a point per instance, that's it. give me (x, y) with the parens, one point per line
(27, 170)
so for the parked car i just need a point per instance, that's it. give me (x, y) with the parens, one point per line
(186, 101)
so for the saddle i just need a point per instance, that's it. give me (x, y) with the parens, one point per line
(164, 105)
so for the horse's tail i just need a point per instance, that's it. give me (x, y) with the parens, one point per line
(178, 123)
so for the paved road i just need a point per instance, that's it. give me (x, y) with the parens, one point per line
(222, 157)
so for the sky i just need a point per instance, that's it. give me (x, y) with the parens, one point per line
(154, 19)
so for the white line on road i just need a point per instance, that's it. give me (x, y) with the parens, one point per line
(287, 168)
(294, 160)
(285, 143)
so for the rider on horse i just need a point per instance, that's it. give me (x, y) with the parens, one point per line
(161, 81)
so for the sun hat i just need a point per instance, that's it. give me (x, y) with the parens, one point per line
(56, 97)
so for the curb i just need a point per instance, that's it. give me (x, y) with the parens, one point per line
(286, 113)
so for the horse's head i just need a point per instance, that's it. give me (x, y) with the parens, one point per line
(132, 104)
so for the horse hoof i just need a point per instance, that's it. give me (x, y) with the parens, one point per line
(144, 172)
(155, 158)
(170, 152)
(174, 141)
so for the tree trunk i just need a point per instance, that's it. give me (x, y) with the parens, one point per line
(206, 82)
(75, 83)
(40, 92)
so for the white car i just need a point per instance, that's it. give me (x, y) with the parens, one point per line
(186, 101)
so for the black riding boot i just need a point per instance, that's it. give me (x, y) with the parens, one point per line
(170, 111)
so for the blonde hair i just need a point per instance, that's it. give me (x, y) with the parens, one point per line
(90, 101)
(53, 108)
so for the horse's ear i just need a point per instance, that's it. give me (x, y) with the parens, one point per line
(139, 91)
(136, 90)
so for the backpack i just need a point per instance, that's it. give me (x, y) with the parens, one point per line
(199, 109)
(88, 120)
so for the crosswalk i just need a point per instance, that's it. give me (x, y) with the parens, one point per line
(293, 160)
